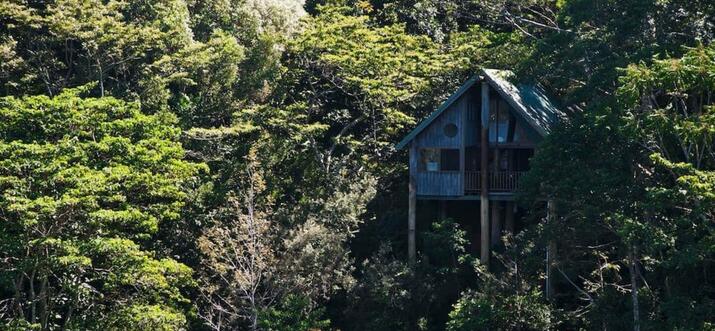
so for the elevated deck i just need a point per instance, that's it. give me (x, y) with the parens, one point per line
(448, 185)
(499, 181)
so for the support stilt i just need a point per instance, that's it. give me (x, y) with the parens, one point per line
(442, 209)
(412, 212)
(550, 252)
(509, 217)
(484, 189)
(496, 223)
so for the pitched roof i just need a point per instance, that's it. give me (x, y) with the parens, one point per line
(529, 101)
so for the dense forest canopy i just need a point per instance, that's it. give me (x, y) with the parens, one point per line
(222, 165)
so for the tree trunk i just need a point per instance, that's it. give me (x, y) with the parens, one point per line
(254, 321)
(634, 289)
(19, 283)
(44, 302)
(33, 298)
(101, 78)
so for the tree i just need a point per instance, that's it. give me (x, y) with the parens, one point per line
(108, 45)
(642, 201)
(262, 254)
(68, 43)
(356, 87)
(241, 257)
(580, 59)
(390, 294)
(509, 296)
(670, 109)
(199, 83)
(294, 314)
(86, 183)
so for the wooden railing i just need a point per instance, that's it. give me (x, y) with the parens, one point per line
(499, 181)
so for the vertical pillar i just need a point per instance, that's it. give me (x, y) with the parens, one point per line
(550, 252)
(496, 223)
(412, 212)
(509, 216)
(484, 198)
(442, 210)
(496, 214)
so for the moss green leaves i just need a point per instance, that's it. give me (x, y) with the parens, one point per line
(85, 183)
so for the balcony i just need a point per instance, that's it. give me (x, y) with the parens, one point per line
(499, 181)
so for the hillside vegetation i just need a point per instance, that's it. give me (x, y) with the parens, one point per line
(230, 165)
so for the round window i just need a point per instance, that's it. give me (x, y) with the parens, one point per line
(450, 130)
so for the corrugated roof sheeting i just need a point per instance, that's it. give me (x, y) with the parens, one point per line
(530, 100)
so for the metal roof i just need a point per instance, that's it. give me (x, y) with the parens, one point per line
(529, 101)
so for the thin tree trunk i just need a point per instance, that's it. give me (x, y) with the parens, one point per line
(70, 311)
(254, 318)
(33, 298)
(634, 289)
(19, 283)
(101, 78)
(44, 302)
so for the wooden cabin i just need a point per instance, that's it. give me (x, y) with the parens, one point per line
(477, 146)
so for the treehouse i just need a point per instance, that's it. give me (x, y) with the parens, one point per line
(477, 146)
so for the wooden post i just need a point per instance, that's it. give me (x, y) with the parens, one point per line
(496, 223)
(509, 216)
(442, 210)
(484, 198)
(550, 251)
(412, 212)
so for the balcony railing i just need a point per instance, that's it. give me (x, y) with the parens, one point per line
(499, 181)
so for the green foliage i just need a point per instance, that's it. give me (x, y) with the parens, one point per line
(68, 42)
(500, 311)
(293, 314)
(646, 196)
(198, 82)
(146, 318)
(355, 87)
(581, 58)
(674, 118)
(390, 295)
(445, 246)
(99, 204)
(86, 183)
(420, 295)
(203, 60)
(508, 296)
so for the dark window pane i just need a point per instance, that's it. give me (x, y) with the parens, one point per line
(473, 159)
(449, 159)
(450, 130)
(499, 117)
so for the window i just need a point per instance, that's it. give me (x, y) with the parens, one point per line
(450, 130)
(439, 159)
(499, 118)
(504, 158)
(449, 160)
(429, 159)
